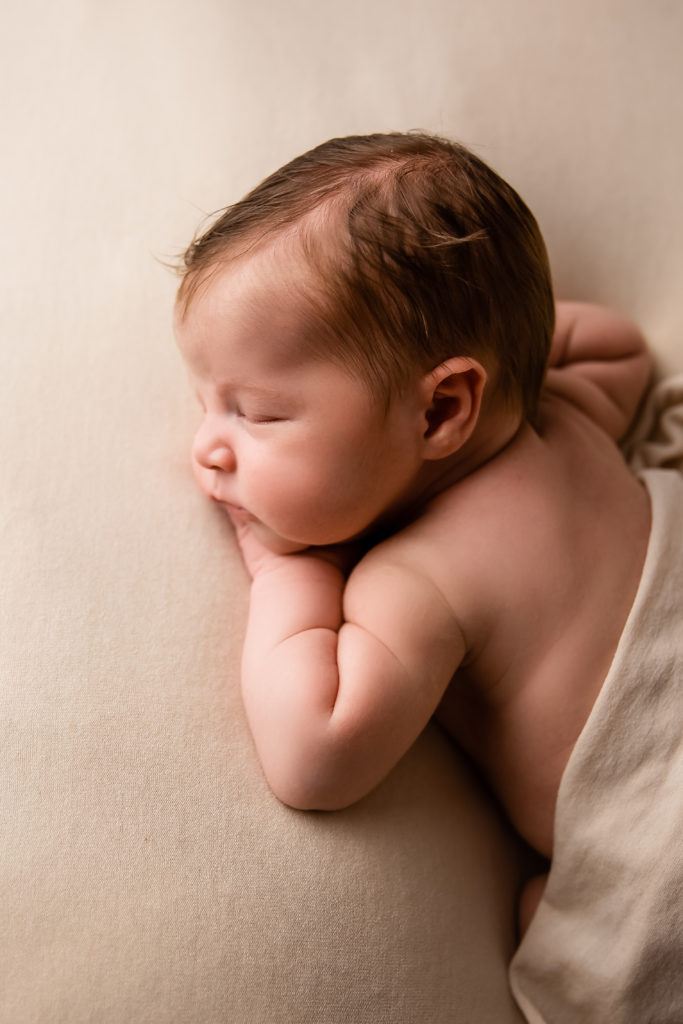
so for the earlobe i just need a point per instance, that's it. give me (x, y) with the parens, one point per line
(452, 402)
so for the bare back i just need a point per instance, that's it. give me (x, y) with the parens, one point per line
(540, 552)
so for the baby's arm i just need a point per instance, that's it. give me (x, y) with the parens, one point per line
(339, 679)
(599, 361)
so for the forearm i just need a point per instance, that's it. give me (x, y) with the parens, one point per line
(587, 333)
(295, 612)
(599, 360)
(290, 675)
(301, 593)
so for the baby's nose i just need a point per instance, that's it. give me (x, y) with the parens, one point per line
(221, 458)
(213, 454)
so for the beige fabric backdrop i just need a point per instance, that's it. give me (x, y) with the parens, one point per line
(145, 872)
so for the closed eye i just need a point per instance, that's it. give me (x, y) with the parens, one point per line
(258, 418)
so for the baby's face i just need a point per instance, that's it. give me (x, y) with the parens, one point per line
(294, 440)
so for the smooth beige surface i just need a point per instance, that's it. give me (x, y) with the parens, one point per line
(146, 874)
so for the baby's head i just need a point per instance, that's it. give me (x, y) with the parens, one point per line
(414, 252)
(342, 322)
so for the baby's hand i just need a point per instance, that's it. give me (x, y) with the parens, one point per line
(258, 556)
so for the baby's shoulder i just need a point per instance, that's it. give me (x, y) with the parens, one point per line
(522, 530)
(493, 501)
(460, 542)
(480, 538)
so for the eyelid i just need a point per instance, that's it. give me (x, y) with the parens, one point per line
(230, 405)
(258, 419)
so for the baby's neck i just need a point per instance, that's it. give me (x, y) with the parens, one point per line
(493, 433)
(491, 436)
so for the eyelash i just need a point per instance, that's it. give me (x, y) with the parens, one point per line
(254, 419)
(257, 420)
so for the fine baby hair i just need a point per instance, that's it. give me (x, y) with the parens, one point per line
(412, 251)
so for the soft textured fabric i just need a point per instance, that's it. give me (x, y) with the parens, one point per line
(606, 943)
(146, 873)
(657, 436)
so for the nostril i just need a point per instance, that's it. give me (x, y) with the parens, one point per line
(220, 458)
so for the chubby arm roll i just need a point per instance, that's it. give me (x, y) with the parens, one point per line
(339, 681)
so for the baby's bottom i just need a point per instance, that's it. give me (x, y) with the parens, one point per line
(530, 897)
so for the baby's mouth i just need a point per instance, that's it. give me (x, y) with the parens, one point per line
(236, 511)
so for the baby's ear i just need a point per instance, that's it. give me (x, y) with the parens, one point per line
(452, 394)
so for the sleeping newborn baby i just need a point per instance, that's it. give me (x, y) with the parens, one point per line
(418, 450)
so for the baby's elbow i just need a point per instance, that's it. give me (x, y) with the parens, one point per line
(306, 799)
(304, 795)
(326, 767)
(312, 787)
(312, 801)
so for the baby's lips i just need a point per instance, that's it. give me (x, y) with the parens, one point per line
(238, 516)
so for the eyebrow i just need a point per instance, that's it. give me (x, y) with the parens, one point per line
(253, 389)
(227, 387)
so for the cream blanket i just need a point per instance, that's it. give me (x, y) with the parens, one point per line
(606, 945)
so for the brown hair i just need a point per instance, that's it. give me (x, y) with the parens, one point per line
(421, 251)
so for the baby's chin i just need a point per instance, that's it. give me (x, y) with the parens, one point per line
(275, 543)
(282, 546)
